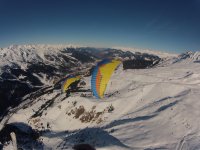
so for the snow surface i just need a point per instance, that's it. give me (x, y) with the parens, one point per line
(155, 108)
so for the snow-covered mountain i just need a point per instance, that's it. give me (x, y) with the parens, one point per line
(150, 103)
(160, 53)
(27, 68)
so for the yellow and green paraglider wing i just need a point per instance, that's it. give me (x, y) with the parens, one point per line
(101, 76)
(69, 80)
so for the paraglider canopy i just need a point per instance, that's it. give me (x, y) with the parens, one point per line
(101, 76)
(69, 81)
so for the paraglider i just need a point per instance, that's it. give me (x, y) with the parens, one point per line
(70, 82)
(101, 76)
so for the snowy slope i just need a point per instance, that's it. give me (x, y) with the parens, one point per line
(35, 66)
(154, 108)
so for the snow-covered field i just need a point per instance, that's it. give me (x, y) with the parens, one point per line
(145, 109)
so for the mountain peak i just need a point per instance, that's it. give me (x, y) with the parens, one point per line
(190, 56)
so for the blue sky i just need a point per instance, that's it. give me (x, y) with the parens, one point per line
(169, 25)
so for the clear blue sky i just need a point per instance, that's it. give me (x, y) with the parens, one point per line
(171, 25)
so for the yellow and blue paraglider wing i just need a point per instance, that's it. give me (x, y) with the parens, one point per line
(101, 76)
(69, 80)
